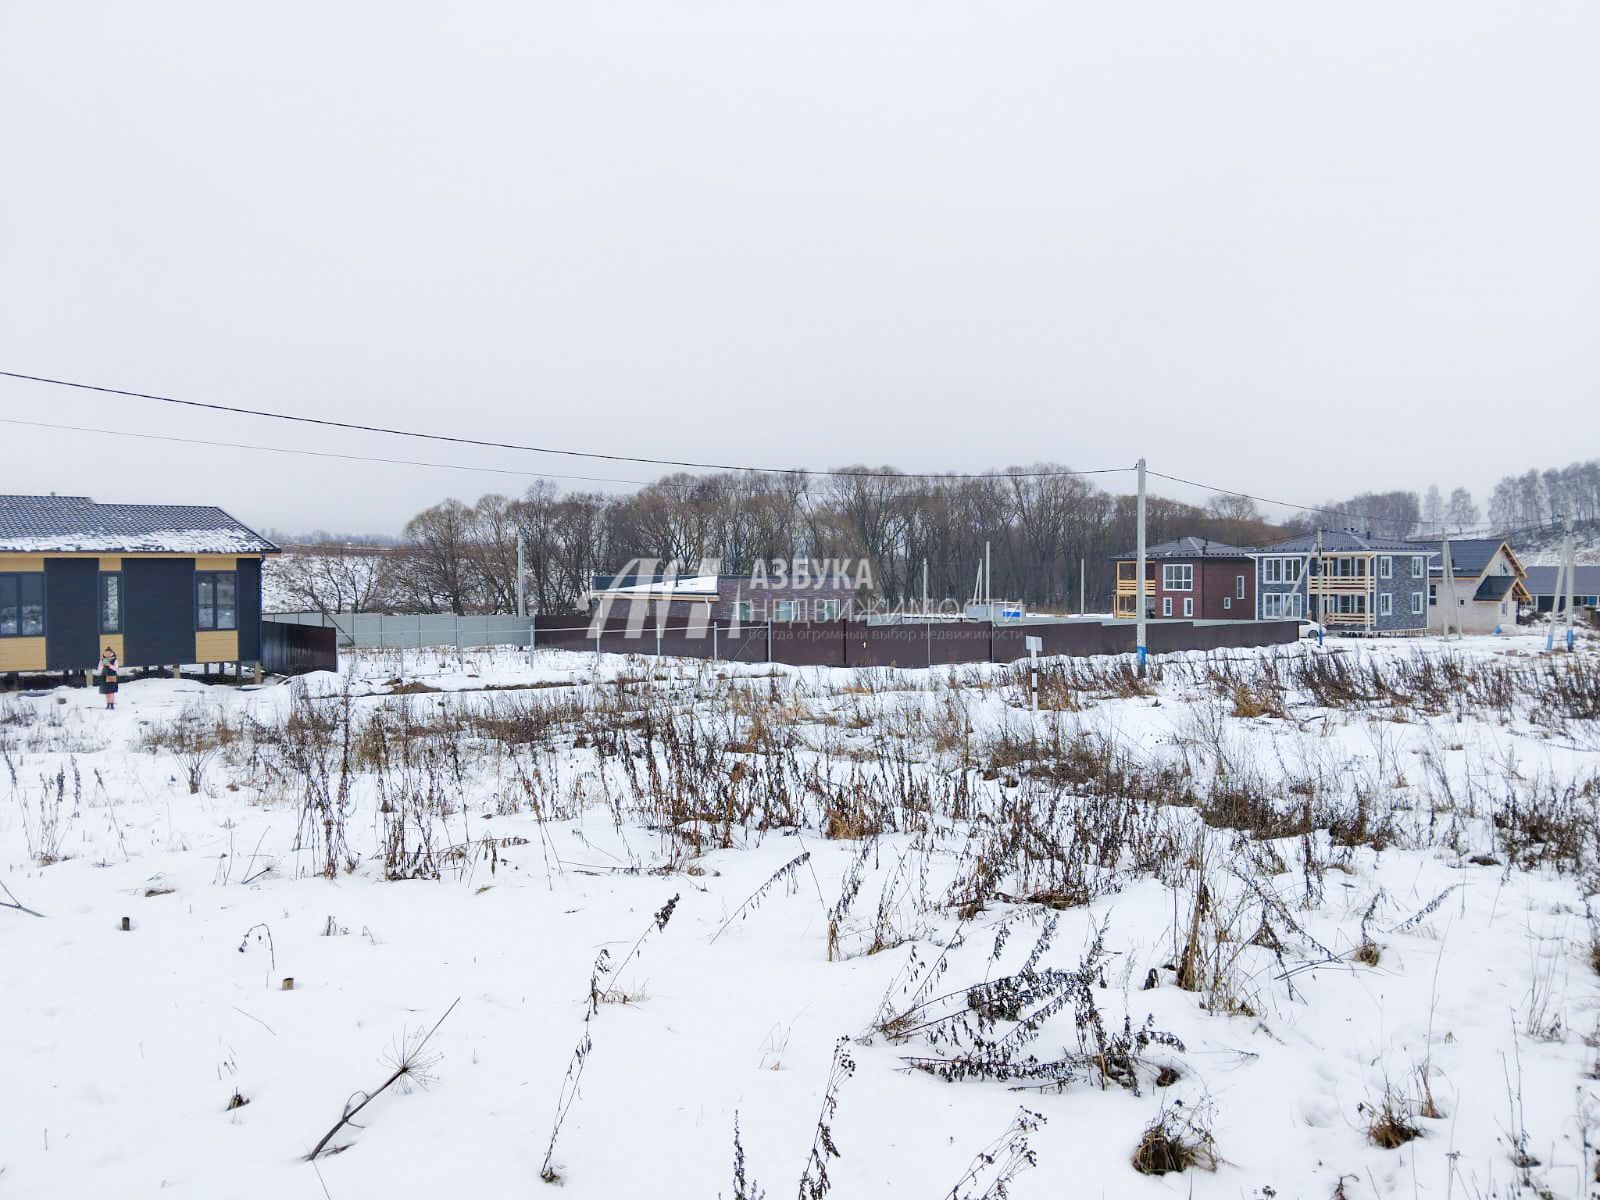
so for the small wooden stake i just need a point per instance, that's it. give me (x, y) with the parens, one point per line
(127, 924)
(288, 983)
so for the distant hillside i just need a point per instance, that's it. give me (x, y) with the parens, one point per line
(1543, 549)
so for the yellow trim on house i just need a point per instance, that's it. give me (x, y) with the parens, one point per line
(35, 562)
(22, 654)
(114, 640)
(111, 562)
(217, 645)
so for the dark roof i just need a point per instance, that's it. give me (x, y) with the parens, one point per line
(1493, 587)
(1468, 556)
(32, 524)
(1190, 547)
(1344, 541)
(1541, 581)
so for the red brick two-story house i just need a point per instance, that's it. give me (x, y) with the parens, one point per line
(1190, 578)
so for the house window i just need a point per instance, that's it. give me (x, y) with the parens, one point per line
(1417, 567)
(22, 604)
(744, 610)
(1386, 567)
(1188, 606)
(1166, 606)
(1238, 588)
(1281, 605)
(1416, 604)
(1177, 577)
(1433, 594)
(1385, 604)
(216, 600)
(786, 610)
(111, 602)
(1227, 602)
(1280, 570)
(827, 610)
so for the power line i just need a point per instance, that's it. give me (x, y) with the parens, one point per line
(1322, 511)
(402, 462)
(679, 488)
(466, 441)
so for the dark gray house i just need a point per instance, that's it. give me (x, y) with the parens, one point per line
(1349, 581)
(158, 584)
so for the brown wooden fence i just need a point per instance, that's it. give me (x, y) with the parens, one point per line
(921, 644)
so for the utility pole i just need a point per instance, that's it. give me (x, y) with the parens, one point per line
(988, 591)
(1320, 607)
(1569, 557)
(1083, 602)
(1447, 572)
(522, 571)
(924, 589)
(1555, 602)
(1139, 633)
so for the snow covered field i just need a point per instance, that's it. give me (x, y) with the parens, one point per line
(1282, 906)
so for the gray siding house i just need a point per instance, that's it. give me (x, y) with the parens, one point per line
(1350, 582)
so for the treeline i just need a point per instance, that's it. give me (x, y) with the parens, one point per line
(458, 557)
(1544, 497)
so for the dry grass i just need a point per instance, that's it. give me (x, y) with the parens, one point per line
(1176, 1140)
(1389, 1125)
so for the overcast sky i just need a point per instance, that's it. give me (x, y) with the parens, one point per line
(1299, 250)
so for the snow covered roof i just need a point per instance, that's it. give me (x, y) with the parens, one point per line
(61, 524)
(694, 587)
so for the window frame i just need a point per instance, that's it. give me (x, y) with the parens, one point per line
(1417, 605)
(1188, 606)
(744, 611)
(1289, 606)
(15, 581)
(1238, 587)
(1166, 606)
(827, 610)
(783, 611)
(1419, 566)
(1175, 571)
(1386, 566)
(113, 628)
(1386, 604)
(214, 607)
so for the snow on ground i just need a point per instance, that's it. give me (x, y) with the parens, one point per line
(1436, 944)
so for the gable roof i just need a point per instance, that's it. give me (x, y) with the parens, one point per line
(1494, 587)
(1585, 580)
(1344, 541)
(34, 524)
(1190, 547)
(1468, 556)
